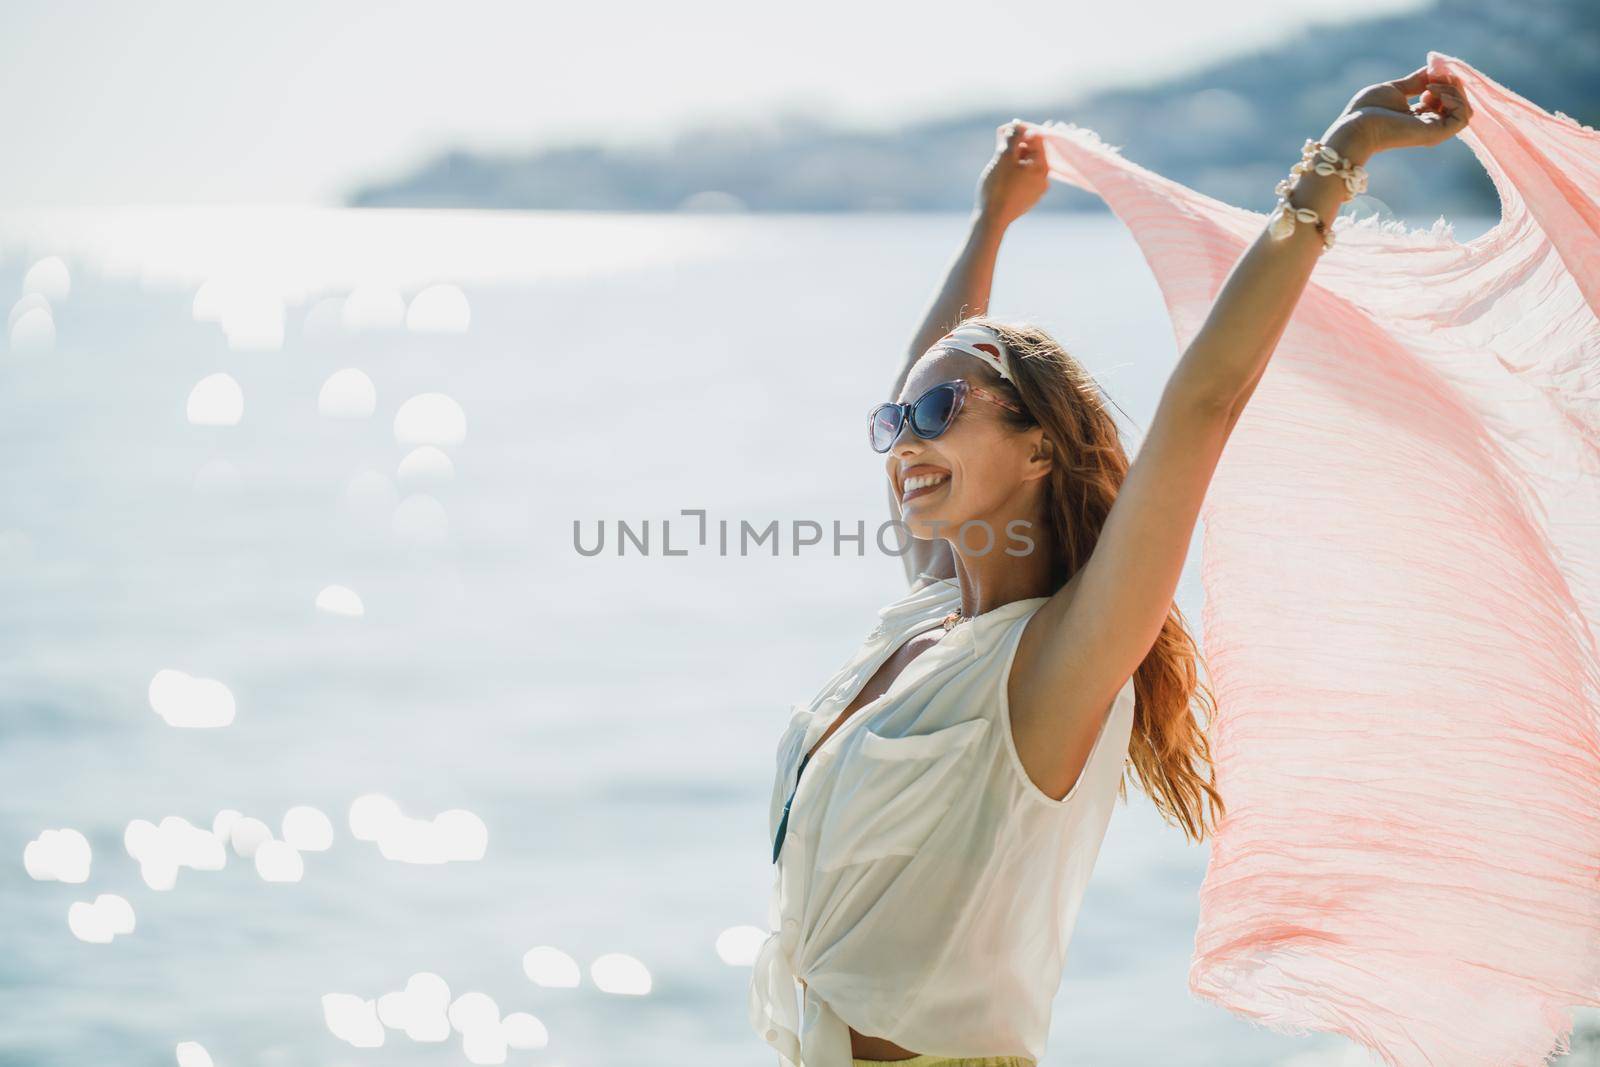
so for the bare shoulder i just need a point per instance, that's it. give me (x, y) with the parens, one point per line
(1054, 732)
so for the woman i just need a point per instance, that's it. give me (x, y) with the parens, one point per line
(939, 805)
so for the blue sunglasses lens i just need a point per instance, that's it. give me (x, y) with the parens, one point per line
(885, 426)
(930, 416)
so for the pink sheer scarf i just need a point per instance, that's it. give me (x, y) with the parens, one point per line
(1402, 580)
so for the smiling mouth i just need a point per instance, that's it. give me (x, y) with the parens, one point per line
(921, 485)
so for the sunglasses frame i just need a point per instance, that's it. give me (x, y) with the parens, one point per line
(963, 389)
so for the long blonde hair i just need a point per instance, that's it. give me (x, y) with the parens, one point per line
(1170, 751)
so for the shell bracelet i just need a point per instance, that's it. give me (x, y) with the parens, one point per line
(1315, 158)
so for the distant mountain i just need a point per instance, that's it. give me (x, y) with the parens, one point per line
(1230, 130)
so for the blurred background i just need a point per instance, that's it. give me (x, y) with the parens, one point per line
(335, 331)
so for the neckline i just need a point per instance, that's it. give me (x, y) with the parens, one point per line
(955, 586)
(892, 639)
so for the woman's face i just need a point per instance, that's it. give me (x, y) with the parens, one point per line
(977, 470)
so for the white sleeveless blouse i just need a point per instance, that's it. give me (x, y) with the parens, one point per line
(926, 889)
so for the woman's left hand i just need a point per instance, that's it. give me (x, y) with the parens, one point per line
(1380, 117)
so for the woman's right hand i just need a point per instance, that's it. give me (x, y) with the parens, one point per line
(1016, 178)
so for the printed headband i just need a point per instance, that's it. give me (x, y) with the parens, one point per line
(982, 342)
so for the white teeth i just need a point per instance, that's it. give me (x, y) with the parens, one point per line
(919, 481)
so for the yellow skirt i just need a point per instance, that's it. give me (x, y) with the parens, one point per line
(949, 1061)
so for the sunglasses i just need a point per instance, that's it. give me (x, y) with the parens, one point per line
(929, 414)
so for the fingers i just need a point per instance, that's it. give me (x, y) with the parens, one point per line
(1023, 144)
(1019, 142)
(1448, 101)
(1008, 134)
(1442, 107)
(1441, 99)
(1413, 83)
(1453, 106)
(1030, 154)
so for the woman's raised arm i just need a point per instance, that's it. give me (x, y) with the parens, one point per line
(1097, 630)
(1012, 182)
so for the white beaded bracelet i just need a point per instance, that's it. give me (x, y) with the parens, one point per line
(1316, 158)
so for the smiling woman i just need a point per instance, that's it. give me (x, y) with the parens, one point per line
(931, 772)
(960, 772)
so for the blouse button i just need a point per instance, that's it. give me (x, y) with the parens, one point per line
(772, 1035)
(790, 928)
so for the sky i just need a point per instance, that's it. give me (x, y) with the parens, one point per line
(296, 102)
